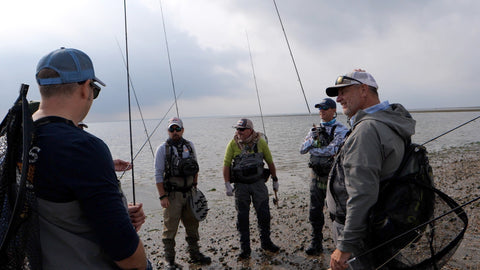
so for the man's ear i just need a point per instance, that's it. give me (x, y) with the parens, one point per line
(85, 91)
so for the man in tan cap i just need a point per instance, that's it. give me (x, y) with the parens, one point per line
(248, 150)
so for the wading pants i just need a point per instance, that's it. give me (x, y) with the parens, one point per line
(361, 263)
(318, 192)
(179, 209)
(244, 195)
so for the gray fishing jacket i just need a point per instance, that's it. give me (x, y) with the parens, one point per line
(371, 152)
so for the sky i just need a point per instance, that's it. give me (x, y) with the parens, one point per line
(423, 54)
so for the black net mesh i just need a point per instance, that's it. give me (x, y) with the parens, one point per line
(432, 245)
(19, 234)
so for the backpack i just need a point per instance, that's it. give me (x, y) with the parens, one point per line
(405, 200)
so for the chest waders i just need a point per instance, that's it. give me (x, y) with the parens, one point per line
(321, 165)
(179, 171)
(247, 167)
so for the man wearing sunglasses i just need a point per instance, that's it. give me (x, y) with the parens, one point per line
(247, 150)
(176, 173)
(372, 151)
(83, 217)
(322, 143)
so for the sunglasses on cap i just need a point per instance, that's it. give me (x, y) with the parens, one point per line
(346, 80)
(174, 128)
(96, 89)
(241, 129)
(324, 108)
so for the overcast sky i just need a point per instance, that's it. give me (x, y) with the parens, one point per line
(423, 54)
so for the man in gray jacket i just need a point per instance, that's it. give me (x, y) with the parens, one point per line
(372, 151)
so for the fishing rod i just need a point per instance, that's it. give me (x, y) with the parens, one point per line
(451, 130)
(151, 134)
(136, 99)
(168, 55)
(275, 199)
(291, 55)
(256, 87)
(128, 91)
(455, 209)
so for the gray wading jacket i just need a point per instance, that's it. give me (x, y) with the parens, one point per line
(372, 152)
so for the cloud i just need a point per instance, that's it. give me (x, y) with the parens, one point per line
(422, 53)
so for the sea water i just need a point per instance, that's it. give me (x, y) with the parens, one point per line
(285, 135)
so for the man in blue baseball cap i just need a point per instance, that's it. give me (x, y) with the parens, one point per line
(322, 142)
(84, 220)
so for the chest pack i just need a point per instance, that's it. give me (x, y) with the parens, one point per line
(177, 165)
(321, 165)
(248, 167)
(405, 200)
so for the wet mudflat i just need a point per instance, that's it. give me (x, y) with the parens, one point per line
(457, 173)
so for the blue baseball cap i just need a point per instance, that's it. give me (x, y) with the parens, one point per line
(326, 102)
(71, 64)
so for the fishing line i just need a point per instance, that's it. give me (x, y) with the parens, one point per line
(151, 134)
(451, 130)
(256, 87)
(169, 61)
(136, 99)
(291, 55)
(128, 91)
(455, 209)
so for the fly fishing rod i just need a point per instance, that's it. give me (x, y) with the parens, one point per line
(451, 130)
(151, 134)
(168, 55)
(128, 91)
(256, 86)
(291, 55)
(138, 104)
(275, 199)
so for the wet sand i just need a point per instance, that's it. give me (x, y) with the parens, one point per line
(457, 173)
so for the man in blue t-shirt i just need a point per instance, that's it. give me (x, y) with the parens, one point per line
(83, 215)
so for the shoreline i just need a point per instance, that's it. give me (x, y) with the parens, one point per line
(456, 171)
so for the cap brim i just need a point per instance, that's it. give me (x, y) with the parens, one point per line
(95, 79)
(332, 91)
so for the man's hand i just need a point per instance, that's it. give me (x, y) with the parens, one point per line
(164, 202)
(338, 260)
(229, 189)
(121, 165)
(137, 216)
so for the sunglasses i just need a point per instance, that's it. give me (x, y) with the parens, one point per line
(174, 128)
(346, 80)
(323, 108)
(96, 89)
(241, 129)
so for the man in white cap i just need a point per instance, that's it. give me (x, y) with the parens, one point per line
(78, 193)
(247, 150)
(372, 151)
(322, 143)
(176, 173)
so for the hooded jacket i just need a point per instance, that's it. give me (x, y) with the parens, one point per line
(372, 152)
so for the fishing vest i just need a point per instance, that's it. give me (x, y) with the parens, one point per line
(321, 165)
(69, 241)
(179, 171)
(247, 167)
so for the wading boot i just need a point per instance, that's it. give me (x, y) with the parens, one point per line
(195, 255)
(315, 248)
(270, 246)
(199, 258)
(172, 265)
(245, 254)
